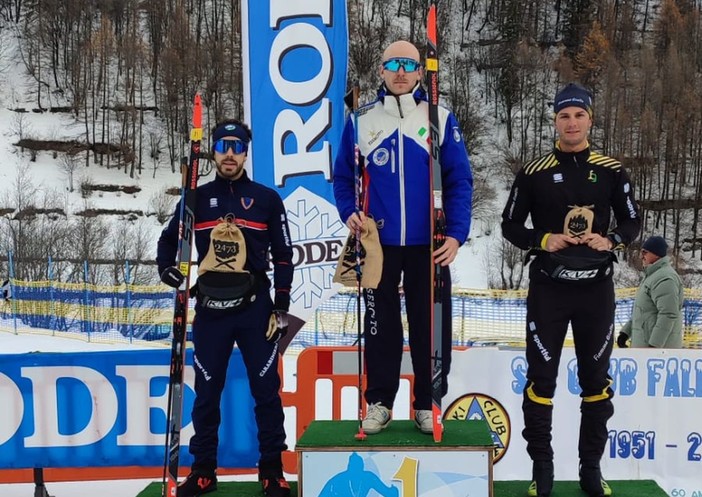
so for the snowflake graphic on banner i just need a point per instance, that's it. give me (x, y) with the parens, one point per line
(318, 238)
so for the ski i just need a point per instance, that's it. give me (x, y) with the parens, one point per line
(186, 233)
(351, 101)
(438, 221)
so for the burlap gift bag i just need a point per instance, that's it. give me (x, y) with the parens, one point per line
(371, 259)
(227, 252)
(222, 281)
(578, 221)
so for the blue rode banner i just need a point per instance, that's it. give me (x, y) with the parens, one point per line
(294, 56)
(109, 409)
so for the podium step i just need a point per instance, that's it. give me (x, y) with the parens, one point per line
(403, 457)
(400, 433)
(620, 488)
(398, 461)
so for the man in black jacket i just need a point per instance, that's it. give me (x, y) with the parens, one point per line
(570, 194)
(229, 310)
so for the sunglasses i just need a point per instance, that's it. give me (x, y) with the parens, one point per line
(394, 64)
(237, 146)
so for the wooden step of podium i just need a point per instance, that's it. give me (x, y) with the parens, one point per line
(398, 461)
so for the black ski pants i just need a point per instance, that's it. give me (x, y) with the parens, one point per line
(384, 336)
(589, 309)
(214, 335)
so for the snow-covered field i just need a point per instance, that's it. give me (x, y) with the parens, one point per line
(112, 488)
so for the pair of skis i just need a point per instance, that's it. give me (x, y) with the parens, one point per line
(186, 235)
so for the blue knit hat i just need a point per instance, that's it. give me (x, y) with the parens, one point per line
(656, 245)
(573, 95)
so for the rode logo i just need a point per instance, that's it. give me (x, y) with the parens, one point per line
(303, 90)
(39, 395)
(308, 253)
(295, 84)
(318, 238)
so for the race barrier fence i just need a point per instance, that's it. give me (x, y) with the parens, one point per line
(127, 312)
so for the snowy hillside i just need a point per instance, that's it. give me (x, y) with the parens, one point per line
(50, 181)
(501, 67)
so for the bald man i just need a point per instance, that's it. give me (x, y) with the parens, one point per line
(392, 135)
(401, 81)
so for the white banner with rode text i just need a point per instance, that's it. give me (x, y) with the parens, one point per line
(655, 433)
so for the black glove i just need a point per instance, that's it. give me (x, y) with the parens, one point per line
(281, 301)
(172, 277)
(193, 291)
(277, 326)
(622, 338)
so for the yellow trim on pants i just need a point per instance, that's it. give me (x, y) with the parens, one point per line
(600, 396)
(544, 401)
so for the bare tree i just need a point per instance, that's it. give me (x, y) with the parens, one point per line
(370, 29)
(483, 207)
(162, 205)
(90, 238)
(20, 125)
(505, 266)
(132, 242)
(36, 230)
(69, 165)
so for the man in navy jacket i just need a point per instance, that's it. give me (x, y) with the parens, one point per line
(244, 319)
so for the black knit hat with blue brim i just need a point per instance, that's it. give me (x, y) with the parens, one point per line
(573, 95)
(656, 245)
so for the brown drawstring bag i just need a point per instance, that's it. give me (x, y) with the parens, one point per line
(222, 281)
(227, 252)
(371, 259)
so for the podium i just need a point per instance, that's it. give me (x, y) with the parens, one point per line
(398, 461)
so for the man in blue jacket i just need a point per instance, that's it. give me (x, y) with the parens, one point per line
(235, 307)
(392, 136)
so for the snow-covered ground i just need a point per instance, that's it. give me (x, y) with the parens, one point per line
(112, 488)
